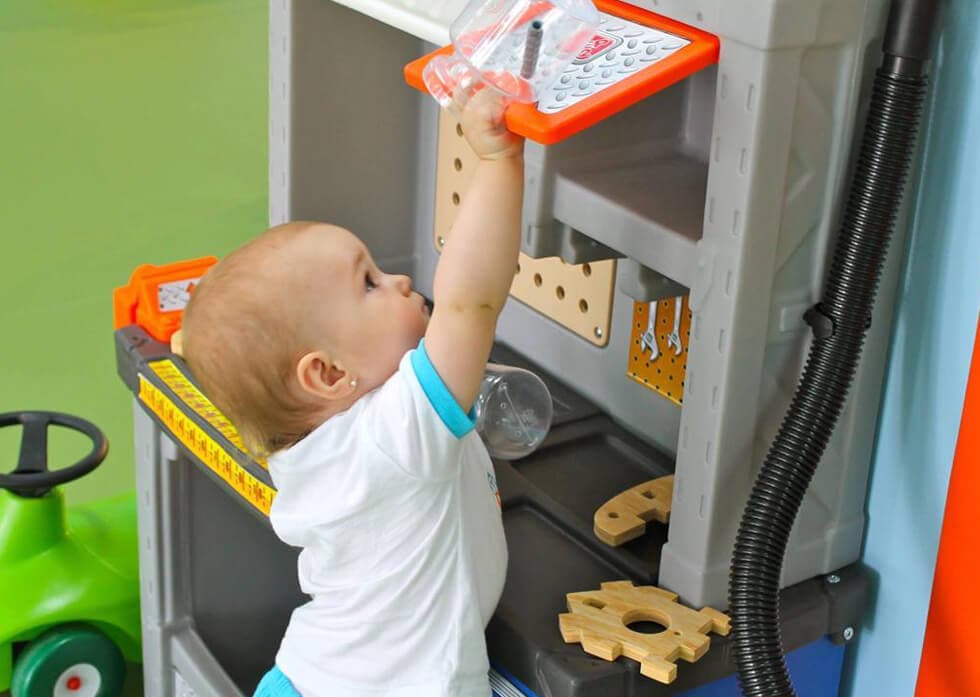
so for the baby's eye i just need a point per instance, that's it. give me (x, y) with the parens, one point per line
(368, 283)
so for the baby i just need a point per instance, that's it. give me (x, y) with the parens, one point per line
(362, 403)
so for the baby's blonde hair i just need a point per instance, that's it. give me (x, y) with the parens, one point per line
(241, 340)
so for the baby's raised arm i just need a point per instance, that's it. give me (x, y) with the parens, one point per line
(479, 260)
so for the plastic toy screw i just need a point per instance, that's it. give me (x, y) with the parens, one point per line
(532, 49)
(832, 579)
(848, 633)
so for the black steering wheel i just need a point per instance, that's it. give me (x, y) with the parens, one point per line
(32, 478)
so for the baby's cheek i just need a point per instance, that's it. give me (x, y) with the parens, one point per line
(411, 333)
(411, 320)
(405, 333)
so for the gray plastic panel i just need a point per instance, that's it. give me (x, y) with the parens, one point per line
(153, 553)
(771, 199)
(238, 608)
(342, 146)
(196, 671)
(217, 585)
(567, 404)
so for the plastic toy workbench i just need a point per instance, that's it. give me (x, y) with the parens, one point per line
(701, 214)
(669, 252)
(218, 587)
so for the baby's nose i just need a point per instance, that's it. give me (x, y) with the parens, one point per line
(403, 284)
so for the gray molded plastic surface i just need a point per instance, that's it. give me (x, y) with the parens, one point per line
(175, 660)
(549, 499)
(566, 403)
(643, 284)
(727, 184)
(242, 579)
(557, 239)
(634, 183)
(580, 467)
(133, 347)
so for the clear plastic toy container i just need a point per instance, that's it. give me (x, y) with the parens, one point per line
(513, 411)
(518, 47)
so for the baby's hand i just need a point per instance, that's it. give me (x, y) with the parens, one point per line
(481, 115)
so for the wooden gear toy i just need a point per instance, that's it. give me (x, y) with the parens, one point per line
(600, 620)
(624, 517)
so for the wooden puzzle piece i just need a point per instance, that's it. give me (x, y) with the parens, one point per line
(600, 620)
(625, 516)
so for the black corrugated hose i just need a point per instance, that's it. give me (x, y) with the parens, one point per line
(839, 321)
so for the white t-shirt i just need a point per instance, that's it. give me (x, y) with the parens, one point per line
(395, 505)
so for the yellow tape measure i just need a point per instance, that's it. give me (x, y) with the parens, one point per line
(196, 438)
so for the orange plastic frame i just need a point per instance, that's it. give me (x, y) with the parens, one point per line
(547, 129)
(949, 664)
(137, 302)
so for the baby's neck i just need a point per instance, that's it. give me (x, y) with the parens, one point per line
(329, 409)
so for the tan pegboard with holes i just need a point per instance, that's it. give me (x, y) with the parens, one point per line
(579, 297)
(666, 373)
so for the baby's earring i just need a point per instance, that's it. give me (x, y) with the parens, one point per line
(353, 383)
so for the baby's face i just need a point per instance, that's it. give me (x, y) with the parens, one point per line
(369, 319)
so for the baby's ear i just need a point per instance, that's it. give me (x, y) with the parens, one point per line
(320, 377)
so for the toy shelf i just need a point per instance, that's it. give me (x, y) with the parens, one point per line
(635, 183)
(650, 211)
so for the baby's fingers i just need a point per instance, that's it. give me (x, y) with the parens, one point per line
(462, 95)
(483, 114)
(480, 111)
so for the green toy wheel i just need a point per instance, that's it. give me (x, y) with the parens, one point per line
(69, 661)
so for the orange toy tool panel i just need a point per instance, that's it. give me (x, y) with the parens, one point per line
(156, 296)
(634, 54)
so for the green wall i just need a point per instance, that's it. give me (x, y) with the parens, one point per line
(130, 132)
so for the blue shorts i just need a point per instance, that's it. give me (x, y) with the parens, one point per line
(275, 684)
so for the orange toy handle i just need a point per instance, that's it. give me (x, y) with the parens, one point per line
(156, 296)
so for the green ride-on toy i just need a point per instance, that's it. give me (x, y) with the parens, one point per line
(69, 578)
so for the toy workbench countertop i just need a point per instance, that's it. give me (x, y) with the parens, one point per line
(165, 389)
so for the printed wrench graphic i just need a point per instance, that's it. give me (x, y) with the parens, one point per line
(674, 338)
(649, 338)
